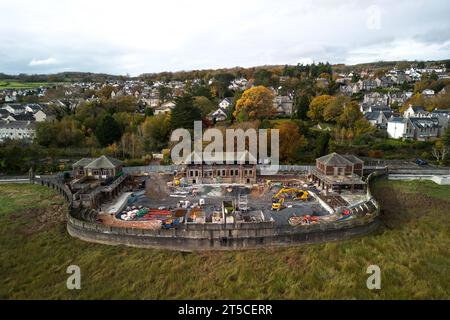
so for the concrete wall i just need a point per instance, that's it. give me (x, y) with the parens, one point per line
(439, 179)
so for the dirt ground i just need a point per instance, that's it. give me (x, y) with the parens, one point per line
(42, 218)
(110, 220)
(156, 188)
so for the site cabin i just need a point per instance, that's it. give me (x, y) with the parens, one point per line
(335, 172)
(208, 172)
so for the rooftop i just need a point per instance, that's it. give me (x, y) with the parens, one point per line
(335, 159)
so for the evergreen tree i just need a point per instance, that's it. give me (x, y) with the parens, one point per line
(108, 131)
(185, 113)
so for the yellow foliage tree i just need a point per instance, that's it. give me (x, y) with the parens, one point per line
(255, 103)
(415, 100)
(317, 107)
(291, 141)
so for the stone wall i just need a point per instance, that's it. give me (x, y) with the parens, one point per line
(197, 237)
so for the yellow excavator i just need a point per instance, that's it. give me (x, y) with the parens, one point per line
(277, 204)
(294, 193)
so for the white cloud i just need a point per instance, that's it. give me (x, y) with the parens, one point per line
(168, 35)
(43, 62)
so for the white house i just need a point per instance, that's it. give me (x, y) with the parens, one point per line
(17, 130)
(415, 112)
(14, 108)
(428, 93)
(41, 116)
(413, 128)
(226, 103)
(218, 115)
(400, 128)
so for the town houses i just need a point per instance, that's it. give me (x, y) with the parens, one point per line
(18, 121)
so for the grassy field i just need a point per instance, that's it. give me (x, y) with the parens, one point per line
(12, 84)
(412, 250)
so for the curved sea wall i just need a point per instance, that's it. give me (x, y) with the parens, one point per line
(197, 237)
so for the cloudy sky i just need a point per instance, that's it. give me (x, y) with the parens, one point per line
(138, 36)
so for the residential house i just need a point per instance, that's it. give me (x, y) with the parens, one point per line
(415, 112)
(219, 115)
(346, 90)
(17, 130)
(14, 108)
(428, 93)
(226, 103)
(369, 84)
(368, 107)
(376, 98)
(284, 105)
(400, 128)
(422, 129)
(378, 119)
(165, 108)
(443, 117)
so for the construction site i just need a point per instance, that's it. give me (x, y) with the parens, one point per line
(166, 200)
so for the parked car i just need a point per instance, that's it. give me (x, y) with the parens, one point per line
(421, 162)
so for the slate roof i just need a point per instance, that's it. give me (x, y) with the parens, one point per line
(18, 125)
(398, 119)
(334, 159)
(83, 162)
(418, 109)
(104, 162)
(422, 123)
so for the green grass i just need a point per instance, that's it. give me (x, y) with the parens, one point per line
(412, 250)
(7, 84)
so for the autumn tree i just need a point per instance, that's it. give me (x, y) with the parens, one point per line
(204, 105)
(334, 109)
(255, 104)
(350, 115)
(291, 142)
(155, 131)
(415, 100)
(318, 106)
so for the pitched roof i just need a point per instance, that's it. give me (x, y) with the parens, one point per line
(418, 109)
(372, 115)
(18, 125)
(425, 122)
(334, 159)
(83, 162)
(353, 158)
(398, 119)
(104, 162)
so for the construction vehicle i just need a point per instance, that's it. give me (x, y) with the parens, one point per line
(294, 193)
(170, 223)
(277, 204)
